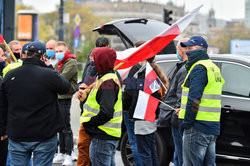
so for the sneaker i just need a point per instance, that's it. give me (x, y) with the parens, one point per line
(68, 161)
(59, 158)
(73, 155)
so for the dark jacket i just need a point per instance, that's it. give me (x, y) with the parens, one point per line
(68, 69)
(196, 83)
(167, 116)
(88, 77)
(29, 101)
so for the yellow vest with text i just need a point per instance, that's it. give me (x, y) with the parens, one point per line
(210, 105)
(91, 108)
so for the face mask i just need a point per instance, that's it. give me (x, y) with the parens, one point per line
(178, 56)
(17, 55)
(60, 56)
(50, 53)
(195, 52)
(92, 63)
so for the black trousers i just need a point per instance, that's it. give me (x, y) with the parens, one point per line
(3, 152)
(166, 134)
(66, 135)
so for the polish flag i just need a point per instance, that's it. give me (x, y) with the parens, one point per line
(146, 107)
(152, 47)
(1, 39)
(151, 83)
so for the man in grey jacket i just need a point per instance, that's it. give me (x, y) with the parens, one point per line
(168, 117)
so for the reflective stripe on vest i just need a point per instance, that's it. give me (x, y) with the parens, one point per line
(210, 104)
(91, 107)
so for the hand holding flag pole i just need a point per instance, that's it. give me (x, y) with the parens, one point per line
(6, 45)
(152, 47)
(91, 86)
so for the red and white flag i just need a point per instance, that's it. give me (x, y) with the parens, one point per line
(1, 39)
(146, 107)
(151, 83)
(152, 47)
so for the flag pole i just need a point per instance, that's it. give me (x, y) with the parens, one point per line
(167, 105)
(162, 84)
(91, 86)
(6, 45)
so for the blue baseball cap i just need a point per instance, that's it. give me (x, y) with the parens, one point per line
(40, 47)
(25, 48)
(195, 41)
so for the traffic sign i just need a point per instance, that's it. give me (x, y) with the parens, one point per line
(76, 42)
(77, 19)
(77, 32)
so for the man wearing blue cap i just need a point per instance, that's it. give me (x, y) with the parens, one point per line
(30, 114)
(200, 105)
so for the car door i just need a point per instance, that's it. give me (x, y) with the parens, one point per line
(234, 140)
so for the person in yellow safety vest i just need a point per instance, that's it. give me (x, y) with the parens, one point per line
(19, 63)
(200, 105)
(16, 48)
(102, 111)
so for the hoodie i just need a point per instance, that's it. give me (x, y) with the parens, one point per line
(67, 67)
(67, 55)
(104, 59)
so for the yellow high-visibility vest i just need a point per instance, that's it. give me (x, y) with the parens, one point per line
(11, 66)
(210, 105)
(91, 108)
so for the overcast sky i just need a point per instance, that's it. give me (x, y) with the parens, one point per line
(224, 9)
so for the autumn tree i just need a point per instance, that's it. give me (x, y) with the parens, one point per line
(222, 37)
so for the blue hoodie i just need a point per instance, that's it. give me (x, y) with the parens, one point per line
(196, 83)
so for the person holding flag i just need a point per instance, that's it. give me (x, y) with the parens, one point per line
(102, 111)
(4, 140)
(168, 118)
(15, 47)
(144, 130)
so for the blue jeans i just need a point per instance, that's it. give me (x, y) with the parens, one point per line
(132, 139)
(198, 148)
(8, 160)
(177, 137)
(43, 152)
(102, 152)
(147, 149)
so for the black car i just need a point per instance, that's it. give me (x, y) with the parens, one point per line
(234, 142)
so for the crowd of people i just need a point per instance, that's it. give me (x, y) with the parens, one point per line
(36, 91)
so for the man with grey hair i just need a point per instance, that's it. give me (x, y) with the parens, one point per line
(168, 117)
(50, 51)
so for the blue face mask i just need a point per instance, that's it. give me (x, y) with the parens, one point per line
(92, 63)
(178, 56)
(50, 53)
(60, 56)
